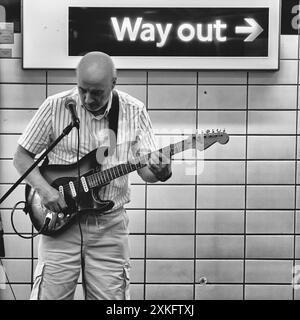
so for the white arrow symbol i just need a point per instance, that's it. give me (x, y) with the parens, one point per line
(255, 30)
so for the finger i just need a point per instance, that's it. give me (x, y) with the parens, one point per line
(52, 221)
(55, 207)
(153, 165)
(154, 159)
(50, 206)
(160, 160)
(165, 159)
(62, 203)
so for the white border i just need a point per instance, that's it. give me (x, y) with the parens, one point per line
(45, 23)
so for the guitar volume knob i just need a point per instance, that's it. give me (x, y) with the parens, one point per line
(61, 215)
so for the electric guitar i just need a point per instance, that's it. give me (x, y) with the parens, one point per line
(82, 195)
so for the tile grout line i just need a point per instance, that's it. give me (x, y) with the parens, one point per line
(296, 172)
(146, 211)
(196, 180)
(245, 198)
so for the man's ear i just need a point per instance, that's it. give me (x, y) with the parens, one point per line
(114, 82)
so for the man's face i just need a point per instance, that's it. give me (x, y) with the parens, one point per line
(94, 96)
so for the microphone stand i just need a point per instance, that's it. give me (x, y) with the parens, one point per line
(65, 132)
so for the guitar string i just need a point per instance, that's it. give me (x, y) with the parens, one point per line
(104, 175)
(99, 176)
(170, 150)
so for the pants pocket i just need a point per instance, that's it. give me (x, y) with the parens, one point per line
(38, 279)
(126, 275)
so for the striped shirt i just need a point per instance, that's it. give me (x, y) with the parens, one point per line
(135, 135)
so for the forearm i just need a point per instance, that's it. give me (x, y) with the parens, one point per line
(24, 160)
(147, 175)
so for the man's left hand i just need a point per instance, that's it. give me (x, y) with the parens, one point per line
(160, 166)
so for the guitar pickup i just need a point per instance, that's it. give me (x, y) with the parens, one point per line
(61, 190)
(73, 190)
(84, 184)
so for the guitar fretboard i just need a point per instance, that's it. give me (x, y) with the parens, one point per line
(105, 176)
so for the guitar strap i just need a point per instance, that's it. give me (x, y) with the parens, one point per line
(113, 115)
(113, 119)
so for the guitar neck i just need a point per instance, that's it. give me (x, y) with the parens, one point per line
(105, 176)
(200, 142)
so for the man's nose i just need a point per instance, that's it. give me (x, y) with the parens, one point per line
(88, 98)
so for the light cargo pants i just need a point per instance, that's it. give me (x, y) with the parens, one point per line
(106, 257)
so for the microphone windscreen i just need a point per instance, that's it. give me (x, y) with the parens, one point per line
(70, 103)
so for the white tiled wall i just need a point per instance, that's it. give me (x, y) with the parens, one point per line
(235, 224)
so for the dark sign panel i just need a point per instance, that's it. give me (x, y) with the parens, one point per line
(290, 16)
(215, 32)
(10, 11)
(156, 34)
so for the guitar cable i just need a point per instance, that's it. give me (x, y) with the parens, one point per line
(79, 220)
(45, 225)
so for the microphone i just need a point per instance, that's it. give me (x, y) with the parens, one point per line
(70, 104)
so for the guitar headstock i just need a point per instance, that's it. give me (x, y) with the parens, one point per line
(221, 136)
(203, 140)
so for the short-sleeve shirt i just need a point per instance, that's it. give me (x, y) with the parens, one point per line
(135, 136)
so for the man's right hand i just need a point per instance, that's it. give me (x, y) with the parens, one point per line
(52, 199)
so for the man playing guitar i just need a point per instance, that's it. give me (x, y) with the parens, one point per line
(98, 243)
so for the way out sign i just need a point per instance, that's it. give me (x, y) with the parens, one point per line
(169, 34)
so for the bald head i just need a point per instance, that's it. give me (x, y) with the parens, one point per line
(96, 67)
(96, 77)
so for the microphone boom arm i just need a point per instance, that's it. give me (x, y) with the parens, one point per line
(65, 132)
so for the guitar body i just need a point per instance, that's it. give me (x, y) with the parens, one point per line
(61, 175)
